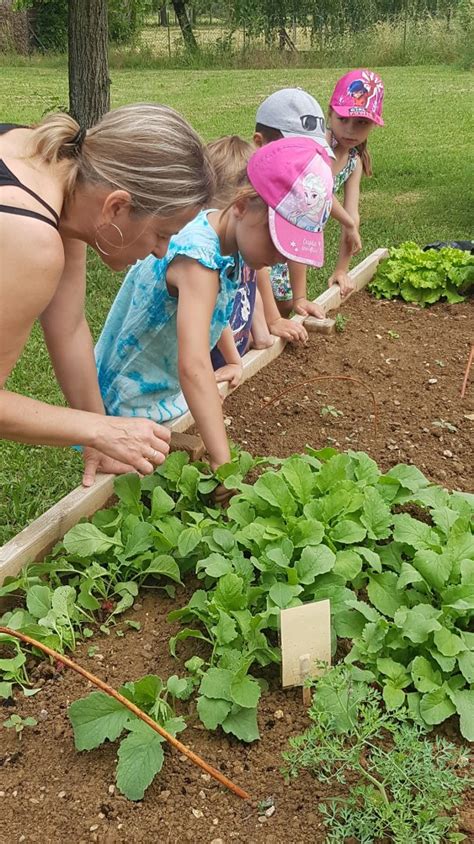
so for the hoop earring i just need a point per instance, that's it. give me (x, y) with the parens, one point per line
(107, 241)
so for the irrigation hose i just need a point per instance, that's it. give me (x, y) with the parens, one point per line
(131, 706)
(326, 378)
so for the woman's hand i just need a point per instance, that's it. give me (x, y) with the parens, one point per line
(344, 281)
(140, 444)
(295, 332)
(231, 372)
(305, 308)
(95, 462)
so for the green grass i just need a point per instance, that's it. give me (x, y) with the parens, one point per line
(419, 192)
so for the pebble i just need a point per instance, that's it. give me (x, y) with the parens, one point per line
(432, 380)
(101, 816)
(197, 813)
(61, 794)
(447, 453)
(215, 822)
(202, 794)
(206, 777)
(14, 793)
(227, 421)
(396, 402)
(270, 811)
(93, 827)
(217, 841)
(2, 794)
(111, 789)
(43, 714)
(278, 714)
(22, 838)
(120, 826)
(163, 795)
(262, 819)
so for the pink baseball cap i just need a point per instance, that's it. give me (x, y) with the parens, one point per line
(359, 94)
(293, 176)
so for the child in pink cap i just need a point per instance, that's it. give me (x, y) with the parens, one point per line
(354, 109)
(153, 354)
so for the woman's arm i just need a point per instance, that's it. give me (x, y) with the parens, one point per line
(197, 292)
(28, 284)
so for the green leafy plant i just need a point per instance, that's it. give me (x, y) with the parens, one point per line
(424, 277)
(406, 786)
(18, 723)
(394, 335)
(98, 718)
(329, 410)
(340, 322)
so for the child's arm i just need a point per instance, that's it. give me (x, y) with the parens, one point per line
(350, 229)
(302, 305)
(351, 204)
(278, 325)
(197, 292)
(232, 371)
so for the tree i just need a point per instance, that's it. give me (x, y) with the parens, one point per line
(89, 83)
(185, 25)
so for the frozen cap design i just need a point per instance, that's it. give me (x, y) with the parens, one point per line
(293, 176)
(295, 112)
(359, 94)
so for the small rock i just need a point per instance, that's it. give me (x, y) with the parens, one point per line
(101, 816)
(137, 605)
(215, 822)
(99, 657)
(183, 758)
(22, 838)
(378, 336)
(396, 402)
(93, 827)
(262, 819)
(217, 841)
(202, 794)
(227, 421)
(163, 795)
(43, 714)
(447, 453)
(111, 789)
(278, 714)
(197, 813)
(270, 811)
(432, 380)
(14, 793)
(2, 794)
(147, 648)
(206, 777)
(120, 826)
(61, 794)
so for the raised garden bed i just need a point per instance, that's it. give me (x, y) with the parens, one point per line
(50, 792)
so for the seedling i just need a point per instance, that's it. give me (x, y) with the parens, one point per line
(340, 322)
(329, 410)
(440, 362)
(442, 423)
(18, 723)
(394, 335)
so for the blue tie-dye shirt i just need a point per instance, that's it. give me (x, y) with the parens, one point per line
(137, 351)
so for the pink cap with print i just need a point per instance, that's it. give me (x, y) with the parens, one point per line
(359, 94)
(293, 176)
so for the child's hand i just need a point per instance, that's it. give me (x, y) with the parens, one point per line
(231, 372)
(343, 280)
(351, 238)
(222, 495)
(289, 330)
(303, 307)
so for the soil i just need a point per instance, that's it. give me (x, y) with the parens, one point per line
(51, 793)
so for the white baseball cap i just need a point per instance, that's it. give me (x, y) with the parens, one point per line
(295, 112)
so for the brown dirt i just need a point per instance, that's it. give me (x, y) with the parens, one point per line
(44, 764)
(413, 413)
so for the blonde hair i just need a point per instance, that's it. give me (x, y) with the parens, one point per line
(148, 150)
(229, 157)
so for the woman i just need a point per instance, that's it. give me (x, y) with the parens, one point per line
(123, 188)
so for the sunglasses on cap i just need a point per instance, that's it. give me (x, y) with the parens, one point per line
(310, 122)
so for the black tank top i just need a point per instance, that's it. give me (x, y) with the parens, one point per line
(9, 178)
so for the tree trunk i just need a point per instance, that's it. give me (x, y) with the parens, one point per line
(163, 15)
(185, 25)
(89, 83)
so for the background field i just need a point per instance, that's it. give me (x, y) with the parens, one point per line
(420, 191)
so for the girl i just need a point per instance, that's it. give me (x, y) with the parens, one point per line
(123, 188)
(355, 107)
(251, 325)
(169, 313)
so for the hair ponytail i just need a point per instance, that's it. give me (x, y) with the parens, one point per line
(365, 158)
(148, 150)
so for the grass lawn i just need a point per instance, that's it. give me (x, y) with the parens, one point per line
(419, 192)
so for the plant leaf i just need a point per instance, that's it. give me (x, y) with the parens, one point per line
(96, 718)
(140, 758)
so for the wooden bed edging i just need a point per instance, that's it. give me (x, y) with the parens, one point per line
(39, 537)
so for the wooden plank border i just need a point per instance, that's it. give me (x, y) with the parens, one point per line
(38, 538)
